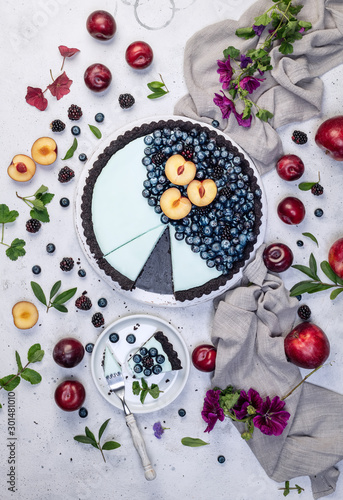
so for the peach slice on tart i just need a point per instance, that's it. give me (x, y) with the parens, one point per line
(25, 315)
(22, 168)
(202, 193)
(174, 205)
(179, 171)
(44, 151)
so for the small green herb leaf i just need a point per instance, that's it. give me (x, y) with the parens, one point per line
(327, 270)
(306, 186)
(102, 428)
(313, 266)
(95, 131)
(264, 115)
(10, 382)
(143, 395)
(85, 439)
(71, 150)
(306, 270)
(64, 296)
(136, 388)
(46, 198)
(41, 215)
(193, 442)
(157, 90)
(232, 52)
(31, 376)
(155, 85)
(157, 94)
(38, 292)
(336, 292)
(110, 445)
(55, 288)
(18, 360)
(154, 391)
(59, 307)
(263, 20)
(40, 191)
(7, 215)
(245, 33)
(35, 353)
(16, 249)
(313, 238)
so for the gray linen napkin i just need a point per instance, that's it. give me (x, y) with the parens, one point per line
(248, 330)
(293, 92)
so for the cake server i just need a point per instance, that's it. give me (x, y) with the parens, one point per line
(116, 384)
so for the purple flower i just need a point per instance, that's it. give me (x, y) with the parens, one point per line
(272, 419)
(250, 83)
(227, 106)
(248, 404)
(211, 410)
(258, 29)
(158, 430)
(225, 72)
(245, 60)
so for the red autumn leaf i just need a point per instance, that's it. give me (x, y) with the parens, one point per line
(35, 97)
(60, 86)
(66, 51)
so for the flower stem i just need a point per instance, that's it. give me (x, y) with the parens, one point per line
(102, 453)
(303, 380)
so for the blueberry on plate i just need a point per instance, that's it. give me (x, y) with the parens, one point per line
(137, 358)
(157, 369)
(147, 372)
(138, 368)
(131, 339)
(114, 337)
(160, 359)
(153, 352)
(143, 351)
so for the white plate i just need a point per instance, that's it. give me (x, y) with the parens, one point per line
(142, 326)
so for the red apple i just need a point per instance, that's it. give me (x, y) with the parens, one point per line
(204, 357)
(68, 352)
(97, 77)
(329, 137)
(139, 55)
(290, 167)
(101, 25)
(307, 346)
(336, 257)
(291, 210)
(277, 257)
(70, 395)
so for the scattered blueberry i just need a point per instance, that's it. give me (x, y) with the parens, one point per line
(147, 372)
(138, 368)
(102, 302)
(99, 117)
(131, 339)
(318, 212)
(89, 347)
(300, 243)
(82, 157)
(75, 130)
(182, 412)
(36, 269)
(81, 273)
(50, 248)
(114, 337)
(137, 358)
(64, 202)
(299, 297)
(221, 459)
(83, 412)
(215, 123)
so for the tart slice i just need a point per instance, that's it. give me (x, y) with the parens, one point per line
(111, 365)
(155, 356)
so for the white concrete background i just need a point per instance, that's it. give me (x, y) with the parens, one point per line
(50, 464)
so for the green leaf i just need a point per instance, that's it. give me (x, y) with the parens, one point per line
(328, 271)
(336, 292)
(157, 94)
(103, 427)
(37, 204)
(60, 308)
(301, 287)
(6, 215)
(306, 270)
(286, 491)
(46, 198)
(85, 440)
(35, 353)
(262, 20)
(144, 384)
(313, 266)
(39, 294)
(10, 382)
(110, 445)
(306, 186)
(64, 296)
(264, 115)
(143, 395)
(16, 249)
(155, 85)
(193, 442)
(305, 24)
(154, 391)
(136, 388)
(245, 33)
(55, 288)
(31, 376)
(18, 360)
(41, 215)
(71, 150)
(232, 52)
(313, 238)
(95, 131)
(286, 48)
(90, 434)
(40, 190)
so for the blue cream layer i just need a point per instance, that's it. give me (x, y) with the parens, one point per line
(152, 342)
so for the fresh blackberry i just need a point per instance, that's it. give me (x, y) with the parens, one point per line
(126, 101)
(217, 172)
(65, 174)
(97, 320)
(158, 158)
(299, 137)
(33, 225)
(57, 126)
(226, 235)
(317, 189)
(304, 312)
(187, 152)
(147, 362)
(74, 112)
(84, 303)
(201, 210)
(226, 191)
(67, 264)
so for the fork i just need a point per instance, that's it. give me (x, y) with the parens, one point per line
(116, 384)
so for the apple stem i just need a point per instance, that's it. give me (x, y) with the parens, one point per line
(303, 380)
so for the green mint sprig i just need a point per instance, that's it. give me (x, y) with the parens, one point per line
(55, 301)
(16, 248)
(287, 489)
(71, 150)
(157, 89)
(89, 438)
(193, 442)
(10, 382)
(315, 284)
(143, 391)
(37, 202)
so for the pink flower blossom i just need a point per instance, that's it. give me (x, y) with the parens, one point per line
(251, 399)
(211, 410)
(271, 418)
(250, 83)
(227, 106)
(225, 72)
